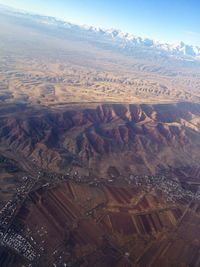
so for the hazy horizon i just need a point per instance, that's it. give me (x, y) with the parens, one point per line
(165, 22)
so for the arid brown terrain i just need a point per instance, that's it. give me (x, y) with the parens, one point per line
(50, 66)
(111, 224)
(118, 183)
(99, 151)
(95, 140)
(51, 82)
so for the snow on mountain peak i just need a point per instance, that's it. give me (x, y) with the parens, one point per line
(123, 39)
(179, 49)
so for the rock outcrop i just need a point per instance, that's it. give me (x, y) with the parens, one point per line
(140, 138)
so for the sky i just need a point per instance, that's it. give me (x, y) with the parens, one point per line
(163, 20)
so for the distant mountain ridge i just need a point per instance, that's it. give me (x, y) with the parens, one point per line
(115, 37)
(132, 40)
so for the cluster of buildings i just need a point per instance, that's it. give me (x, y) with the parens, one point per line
(18, 243)
(172, 189)
(8, 212)
(8, 236)
(11, 238)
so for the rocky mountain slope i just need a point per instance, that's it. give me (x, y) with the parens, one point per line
(99, 147)
(106, 140)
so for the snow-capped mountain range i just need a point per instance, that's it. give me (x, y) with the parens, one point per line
(127, 40)
(113, 37)
(179, 49)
